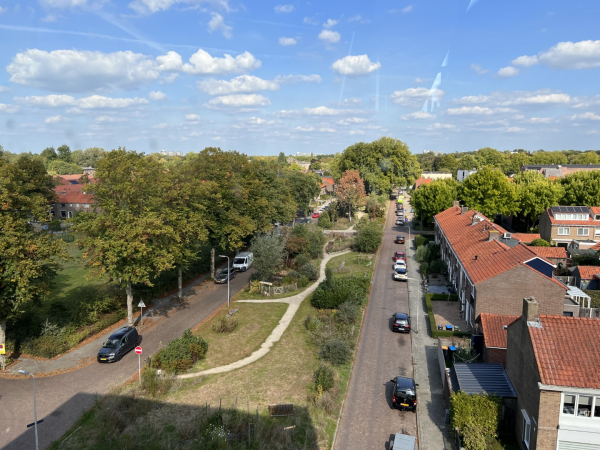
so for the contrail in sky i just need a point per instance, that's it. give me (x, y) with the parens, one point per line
(344, 80)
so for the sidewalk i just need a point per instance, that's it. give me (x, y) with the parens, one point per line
(293, 302)
(430, 408)
(85, 354)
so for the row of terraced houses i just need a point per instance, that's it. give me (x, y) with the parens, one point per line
(539, 354)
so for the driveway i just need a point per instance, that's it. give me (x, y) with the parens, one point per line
(62, 398)
(368, 421)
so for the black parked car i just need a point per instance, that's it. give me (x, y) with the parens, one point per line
(404, 395)
(118, 344)
(222, 275)
(401, 323)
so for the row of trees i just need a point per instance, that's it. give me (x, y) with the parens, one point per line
(508, 162)
(490, 192)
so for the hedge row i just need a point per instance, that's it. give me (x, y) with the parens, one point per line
(435, 333)
(439, 297)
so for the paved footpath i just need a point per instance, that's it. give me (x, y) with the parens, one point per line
(293, 302)
(62, 398)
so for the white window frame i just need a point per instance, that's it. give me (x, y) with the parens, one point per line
(595, 400)
(526, 428)
(583, 231)
(597, 232)
(563, 232)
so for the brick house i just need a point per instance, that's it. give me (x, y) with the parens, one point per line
(328, 186)
(563, 224)
(494, 328)
(71, 196)
(556, 255)
(492, 272)
(554, 368)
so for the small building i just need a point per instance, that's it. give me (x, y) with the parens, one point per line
(494, 329)
(586, 277)
(72, 197)
(462, 174)
(552, 362)
(422, 181)
(563, 224)
(435, 175)
(556, 255)
(328, 186)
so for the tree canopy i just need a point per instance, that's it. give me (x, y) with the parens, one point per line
(490, 192)
(431, 199)
(581, 188)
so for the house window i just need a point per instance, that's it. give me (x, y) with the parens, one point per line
(569, 404)
(597, 408)
(564, 231)
(583, 231)
(86, 205)
(584, 406)
(597, 232)
(76, 205)
(70, 214)
(526, 428)
(63, 214)
(62, 205)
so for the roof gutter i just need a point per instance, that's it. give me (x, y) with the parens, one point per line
(574, 390)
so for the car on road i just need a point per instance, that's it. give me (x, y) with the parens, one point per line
(399, 222)
(400, 274)
(118, 344)
(399, 255)
(315, 215)
(225, 274)
(404, 395)
(401, 323)
(400, 263)
(399, 239)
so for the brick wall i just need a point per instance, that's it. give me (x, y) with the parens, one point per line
(504, 293)
(545, 227)
(495, 355)
(523, 373)
(548, 420)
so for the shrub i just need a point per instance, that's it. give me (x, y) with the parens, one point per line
(155, 385)
(347, 313)
(324, 377)
(181, 353)
(476, 416)
(291, 278)
(424, 268)
(254, 287)
(368, 237)
(336, 351)
(314, 240)
(309, 271)
(225, 325)
(324, 221)
(303, 282)
(437, 266)
(420, 241)
(311, 323)
(301, 260)
(331, 293)
(269, 254)
(540, 243)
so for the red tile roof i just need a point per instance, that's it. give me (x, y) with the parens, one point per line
(574, 223)
(588, 272)
(595, 209)
(328, 180)
(550, 252)
(526, 238)
(482, 258)
(494, 333)
(72, 193)
(565, 351)
(421, 181)
(595, 247)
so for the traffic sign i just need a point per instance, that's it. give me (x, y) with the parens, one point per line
(141, 304)
(2, 349)
(138, 350)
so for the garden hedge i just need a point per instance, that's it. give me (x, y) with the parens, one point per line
(435, 333)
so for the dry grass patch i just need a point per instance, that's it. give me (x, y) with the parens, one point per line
(256, 322)
(355, 264)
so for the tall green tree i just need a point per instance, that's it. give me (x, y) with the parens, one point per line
(60, 167)
(467, 162)
(490, 192)
(350, 190)
(448, 163)
(88, 157)
(130, 235)
(269, 254)
(489, 157)
(535, 194)
(514, 161)
(586, 158)
(27, 259)
(582, 188)
(64, 153)
(383, 164)
(431, 199)
(547, 158)
(304, 187)
(49, 154)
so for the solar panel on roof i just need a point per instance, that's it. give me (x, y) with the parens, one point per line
(570, 209)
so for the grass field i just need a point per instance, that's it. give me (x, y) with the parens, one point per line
(355, 264)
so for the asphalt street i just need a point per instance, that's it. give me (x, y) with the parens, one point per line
(62, 398)
(368, 420)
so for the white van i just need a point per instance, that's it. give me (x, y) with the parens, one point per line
(243, 261)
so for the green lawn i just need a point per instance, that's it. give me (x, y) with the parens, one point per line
(342, 224)
(356, 264)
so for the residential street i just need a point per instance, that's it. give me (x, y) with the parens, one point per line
(62, 398)
(368, 421)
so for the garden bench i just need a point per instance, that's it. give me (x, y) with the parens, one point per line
(282, 410)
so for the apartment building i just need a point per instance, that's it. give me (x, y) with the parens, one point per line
(72, 197)
(491, 271)
(563, 224)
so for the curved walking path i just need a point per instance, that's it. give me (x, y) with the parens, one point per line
(293, 302)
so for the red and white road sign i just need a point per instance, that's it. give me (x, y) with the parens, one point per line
(138, 350)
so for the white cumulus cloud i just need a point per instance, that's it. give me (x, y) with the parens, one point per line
(193, 118)
(413, 96)
(285, 41)
(478, 69)
(356, 65)
(238, 101)
(330, 23)
(329, 36)
(293, 79)
(4, 108)
(218, 24)
(419, 115)
(202, 63)
(407, 9)
(565, 55)
(469, 110)
(153, 6)
(284, 8)
(586, 116)
(56, 119)
(507, 72)
(91, 102)
(157, 95)
(243, 83)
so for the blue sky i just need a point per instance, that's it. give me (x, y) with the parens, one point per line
(264, 77)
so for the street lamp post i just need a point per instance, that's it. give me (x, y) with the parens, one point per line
(228, 276)
(24, 372)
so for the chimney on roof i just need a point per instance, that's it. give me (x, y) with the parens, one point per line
(531, 310)
(464, 209)
(456, 203)
(493, 235)
(476, 219)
